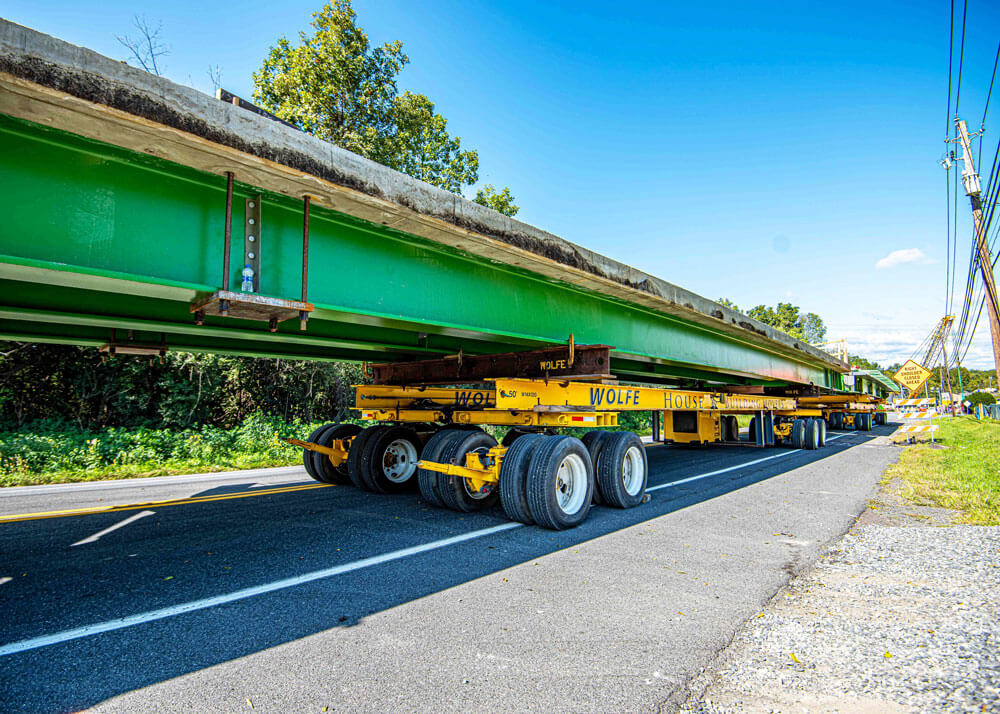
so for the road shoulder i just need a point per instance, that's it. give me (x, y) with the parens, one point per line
(900, 615)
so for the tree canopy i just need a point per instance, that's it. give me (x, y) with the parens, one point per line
(336, 86)
(786, 317)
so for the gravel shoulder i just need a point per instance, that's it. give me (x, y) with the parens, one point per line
(901, 615)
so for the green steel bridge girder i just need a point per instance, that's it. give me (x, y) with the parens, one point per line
(97, 237)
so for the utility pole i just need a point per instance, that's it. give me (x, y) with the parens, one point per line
(947, 372)
(970, 180)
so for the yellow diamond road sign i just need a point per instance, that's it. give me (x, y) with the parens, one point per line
(911, 375)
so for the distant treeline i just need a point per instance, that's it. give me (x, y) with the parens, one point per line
(76, 386)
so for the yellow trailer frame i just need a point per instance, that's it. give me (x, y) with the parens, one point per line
(683, 416)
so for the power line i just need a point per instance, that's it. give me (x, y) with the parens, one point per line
(961, 56)
(982, 124)
(951, 53)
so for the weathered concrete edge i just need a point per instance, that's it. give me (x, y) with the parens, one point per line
(90, 76)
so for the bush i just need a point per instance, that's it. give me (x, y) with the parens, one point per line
(977, 398)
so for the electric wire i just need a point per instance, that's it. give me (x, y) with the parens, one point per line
(989, 93)
(961, 57)
(951, 54)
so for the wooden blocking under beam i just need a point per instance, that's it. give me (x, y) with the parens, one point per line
(250, 306)
(588, 362)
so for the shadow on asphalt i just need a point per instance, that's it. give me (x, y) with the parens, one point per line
(194, 551)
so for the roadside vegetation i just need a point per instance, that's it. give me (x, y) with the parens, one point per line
(56, 453)
(963, 476)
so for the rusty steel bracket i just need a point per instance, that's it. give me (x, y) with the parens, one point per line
(572, 360)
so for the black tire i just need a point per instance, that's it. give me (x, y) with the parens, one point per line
(513, 435)
(618, 477)
(544, 483)
(454, 490)
(799, 434)
(730, 428)
(307, 461)
(321, 464)
(354, 459)
(316, 457)
(752, 431)
(836, 420)
(821, 425)
(513, 475)
(812, 434)
(428, 480)
(389, 461)
(595, 441)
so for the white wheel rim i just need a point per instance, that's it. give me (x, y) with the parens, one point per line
(633, 471)
(571, 484)
(399, 461)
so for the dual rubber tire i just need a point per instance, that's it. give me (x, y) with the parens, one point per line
(553, 480)
(621, 457)
(317, 464)
(450, 446)
(622, 470)
(559, 483)
(513, 477)
(821, 432)
(383, 459)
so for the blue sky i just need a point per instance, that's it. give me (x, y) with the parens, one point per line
(757, 151)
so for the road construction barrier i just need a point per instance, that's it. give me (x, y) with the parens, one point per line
(925, 402)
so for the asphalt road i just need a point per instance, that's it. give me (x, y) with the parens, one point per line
(301, 597)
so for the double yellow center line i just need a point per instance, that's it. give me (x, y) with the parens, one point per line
(157, 504)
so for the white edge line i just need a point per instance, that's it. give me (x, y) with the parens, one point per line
(733, 468)
(153, 615)
(195, 605)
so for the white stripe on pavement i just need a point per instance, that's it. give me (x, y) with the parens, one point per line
(97, 536)
(733, 468)
(153, 615)
(195, 605)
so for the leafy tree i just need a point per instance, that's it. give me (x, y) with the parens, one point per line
(789, 319)
(726, 302)
(336, 86)
(501, 202)
(421, 146)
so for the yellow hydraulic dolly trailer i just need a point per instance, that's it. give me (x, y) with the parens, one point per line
(431, 436)
(849, 411)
